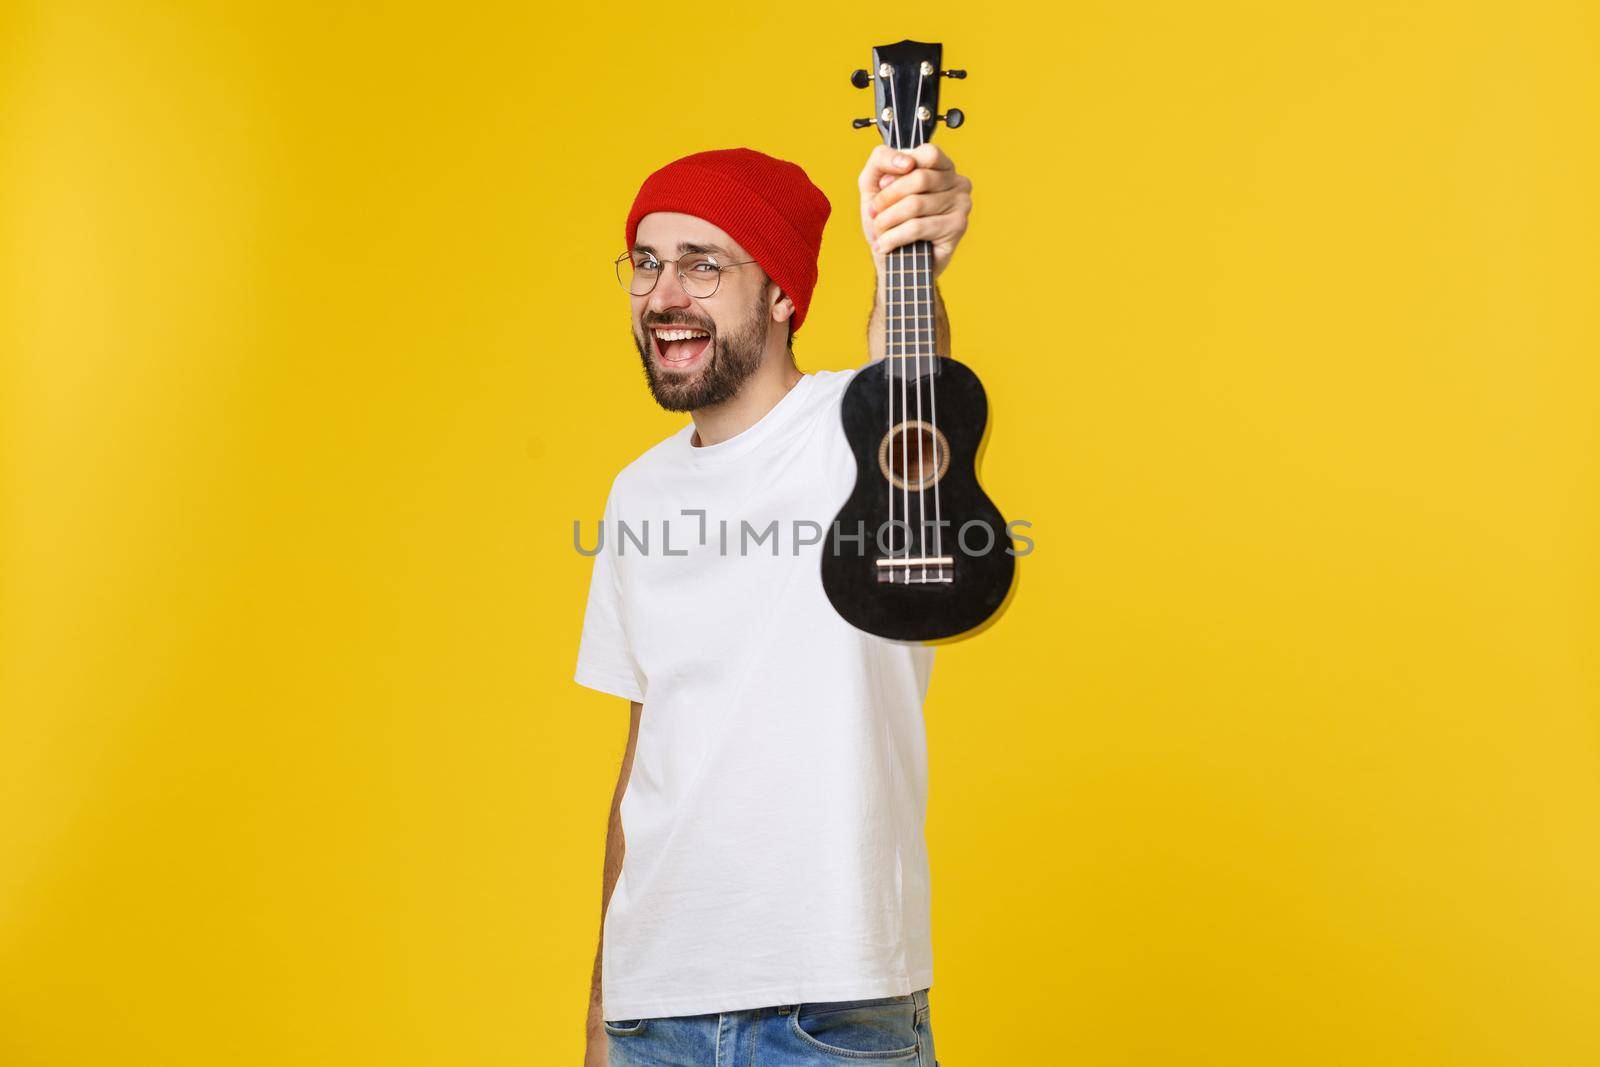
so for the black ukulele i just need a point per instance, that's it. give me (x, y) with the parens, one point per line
(918, 552)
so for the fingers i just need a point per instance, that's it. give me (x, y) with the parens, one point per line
(918, 181)
(883, 162)
(930, 205)
(931, 157)
(903, 234)
(913, 195)
(945, 231)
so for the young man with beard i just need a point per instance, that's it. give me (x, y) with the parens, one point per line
(773, 907)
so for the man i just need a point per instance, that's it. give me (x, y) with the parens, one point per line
(774, 903)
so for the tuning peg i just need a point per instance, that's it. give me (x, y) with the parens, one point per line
(953, 118)
(954, 73)
(860, 79)
(862, 124)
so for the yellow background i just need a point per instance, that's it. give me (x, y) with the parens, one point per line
(1286, 751)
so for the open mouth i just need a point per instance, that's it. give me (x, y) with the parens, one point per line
(680, 346)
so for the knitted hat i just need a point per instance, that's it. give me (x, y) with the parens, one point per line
(768, 205)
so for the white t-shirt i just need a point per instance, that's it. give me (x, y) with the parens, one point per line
(774, 815)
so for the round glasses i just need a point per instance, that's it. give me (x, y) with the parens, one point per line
(698, 272)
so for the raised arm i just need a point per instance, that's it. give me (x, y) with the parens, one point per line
(908, 196)
(877, 331)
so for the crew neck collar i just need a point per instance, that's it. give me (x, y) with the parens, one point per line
(751, 435)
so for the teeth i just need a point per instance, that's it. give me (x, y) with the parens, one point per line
(680, 335)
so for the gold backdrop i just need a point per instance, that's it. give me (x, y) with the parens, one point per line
(1286, 751)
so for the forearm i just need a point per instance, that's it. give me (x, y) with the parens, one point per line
(877, 332)
(616, 848)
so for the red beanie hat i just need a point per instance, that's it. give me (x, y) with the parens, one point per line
(768, 205)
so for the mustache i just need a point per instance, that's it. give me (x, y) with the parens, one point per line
(652, 323)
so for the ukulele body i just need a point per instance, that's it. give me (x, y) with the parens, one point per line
(869, 582)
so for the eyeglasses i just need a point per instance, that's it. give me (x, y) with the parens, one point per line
(698, 272)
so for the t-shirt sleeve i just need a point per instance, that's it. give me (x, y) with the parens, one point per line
(605, 657)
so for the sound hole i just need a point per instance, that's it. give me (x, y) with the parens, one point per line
(914, 455)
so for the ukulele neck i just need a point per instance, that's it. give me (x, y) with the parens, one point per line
(910, 317)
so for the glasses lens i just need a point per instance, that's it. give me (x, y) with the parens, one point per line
(638, 273)
(700, 275)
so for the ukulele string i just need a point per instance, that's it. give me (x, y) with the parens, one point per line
(917, 321)
(920, 322)
(888, 378)
(897, 289)
(933, 380)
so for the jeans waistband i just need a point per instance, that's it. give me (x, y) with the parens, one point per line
(917, 997)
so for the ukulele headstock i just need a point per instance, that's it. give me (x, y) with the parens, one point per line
(905, 90)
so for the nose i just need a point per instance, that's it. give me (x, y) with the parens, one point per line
(668, 293)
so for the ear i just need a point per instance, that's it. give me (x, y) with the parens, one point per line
(782, 309)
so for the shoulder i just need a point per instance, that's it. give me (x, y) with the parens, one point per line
(828, 392)
(646, 467)
(831, 384)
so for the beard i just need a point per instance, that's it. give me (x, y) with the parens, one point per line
(730, 360)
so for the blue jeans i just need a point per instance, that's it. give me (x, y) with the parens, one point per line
(880, 1030)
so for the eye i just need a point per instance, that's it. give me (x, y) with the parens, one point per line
(705, 268)
(647, 264)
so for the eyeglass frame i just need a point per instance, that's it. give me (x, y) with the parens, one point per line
(721, 269)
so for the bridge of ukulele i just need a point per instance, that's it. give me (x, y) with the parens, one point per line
(916, 570)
